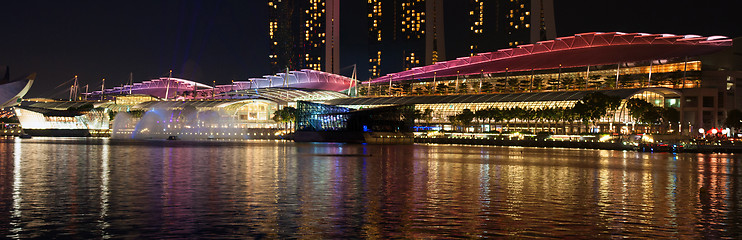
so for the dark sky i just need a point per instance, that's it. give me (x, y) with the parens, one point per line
(220, 40)
(700, 17)
(201, 40)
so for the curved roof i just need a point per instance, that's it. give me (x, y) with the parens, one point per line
(284, 95)
(158, 87)
(220, 105)
(170, 87)
(188, 103)
(574, 51)
(306, 78)
(488, 98)
(12, 91)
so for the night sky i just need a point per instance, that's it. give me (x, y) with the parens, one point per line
(228, 40)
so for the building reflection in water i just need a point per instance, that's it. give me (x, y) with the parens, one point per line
(7, 178)
(267, 189)
(104, 189)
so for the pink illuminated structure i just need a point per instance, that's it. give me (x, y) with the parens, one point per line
(574, 51)
(176, 88)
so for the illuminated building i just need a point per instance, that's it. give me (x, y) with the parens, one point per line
(62, 118)
(324, 123)
(304, 34)
(12, 91)
(404, 35)
(491, 25)
(175, 88)
(414, 32)
(164, 107)
(680, 71)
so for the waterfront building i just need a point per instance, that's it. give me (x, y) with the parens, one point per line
(382, 125)
(12, 91)
(443, 106)
(304, 34)
(693, 77)
(164, 107)
(300, 82)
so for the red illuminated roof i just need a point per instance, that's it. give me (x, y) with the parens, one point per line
(574, 51)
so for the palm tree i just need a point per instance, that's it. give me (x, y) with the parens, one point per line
(454, 120)
(553, 83)
(419, 91)
(610, 82)
(286, 115)
(644, 112)
(481, 114)
(486, 87)
(463, 88)
(637, 108)
(376, 90)
(567, 82)
(465, 117)
(581, 83)
(427, 116)
(441, 88)
(495, 114)
(502, 84)
(594, 106)
(512, 84)
(595, 81)
(676, 79)
(538, 83)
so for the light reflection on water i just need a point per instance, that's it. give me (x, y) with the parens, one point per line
(100, 188)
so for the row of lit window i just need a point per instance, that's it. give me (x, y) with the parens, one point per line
(375, 17)
(319, 36)
(315, 66)
(272, 27)
(413, 18)
(411, 61)
(479, 22)
(318, 14)
(307, 58)
(375, 63)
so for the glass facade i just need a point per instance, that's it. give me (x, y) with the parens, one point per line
(445, 106)
(320, 117)
(670, 75)
(95, 119)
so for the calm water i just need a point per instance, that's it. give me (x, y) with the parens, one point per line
(99, 188)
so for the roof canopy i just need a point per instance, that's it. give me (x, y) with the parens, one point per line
(284, 95)
(489, 98)
(574, 51)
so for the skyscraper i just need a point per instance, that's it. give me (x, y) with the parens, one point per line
(304, 34)
(404, 34)
(397, 35)
(493, 25)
